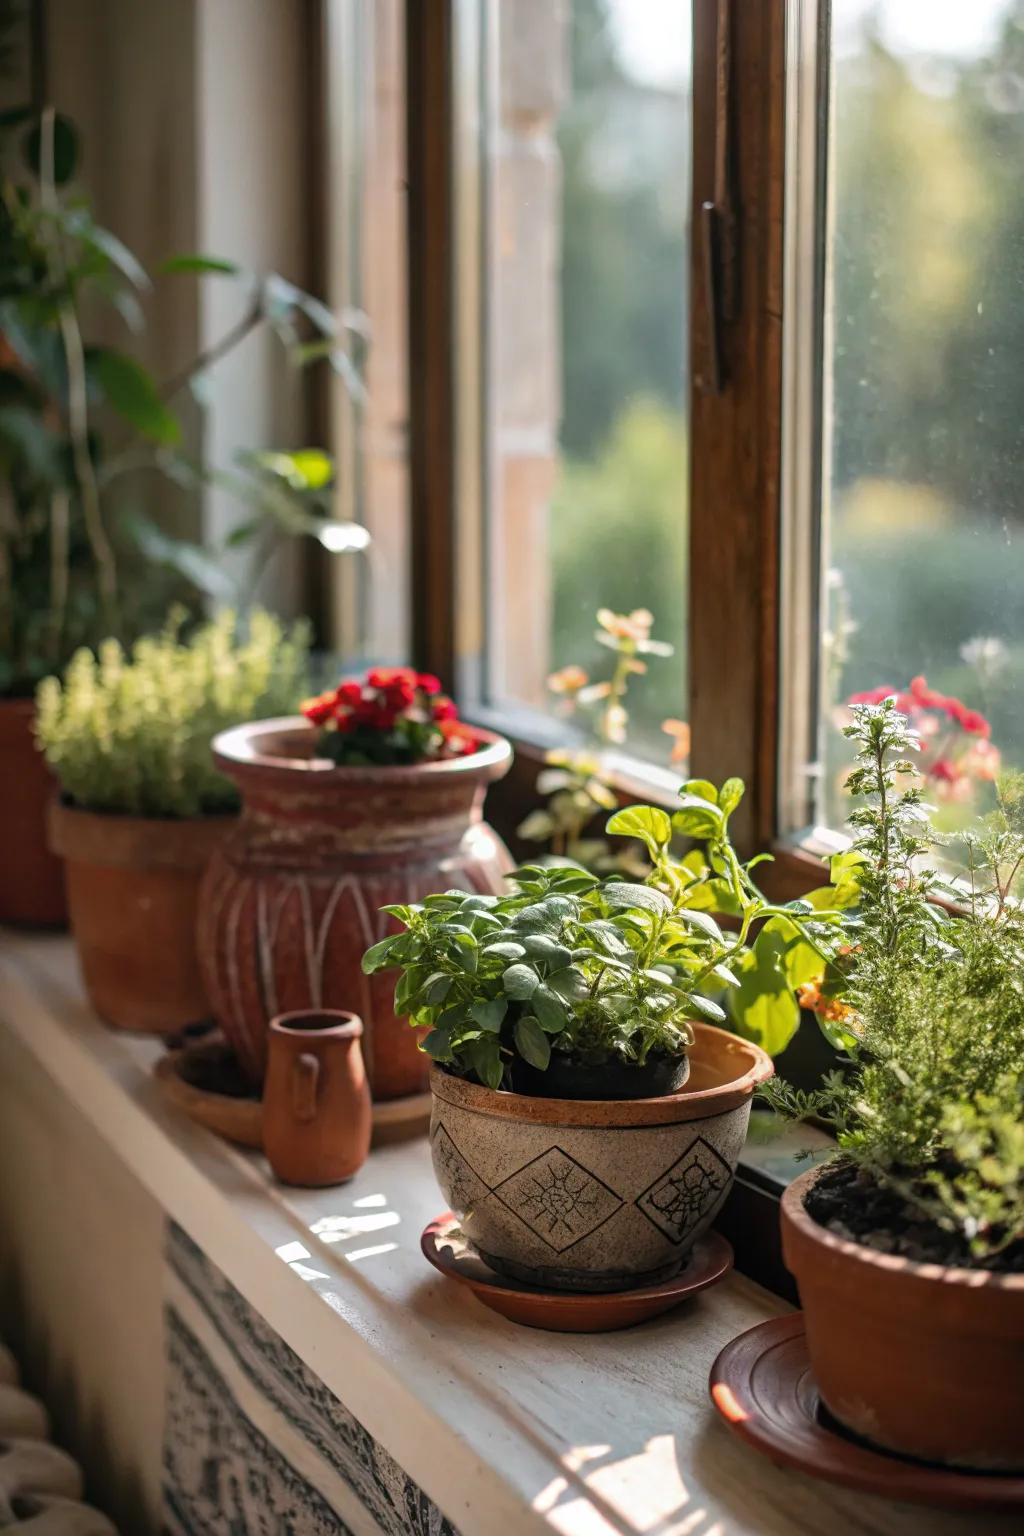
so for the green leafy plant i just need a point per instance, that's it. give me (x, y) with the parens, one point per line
(81, 422)
(773, 948)
(130, 733)
(599, 972)
(931, 1006)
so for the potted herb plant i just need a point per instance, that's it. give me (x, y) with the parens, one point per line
(374, 795)
(908, 1249)
(85, 429)
(587, 1120)
(142, 805)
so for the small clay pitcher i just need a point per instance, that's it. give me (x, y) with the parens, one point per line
(316, 1099)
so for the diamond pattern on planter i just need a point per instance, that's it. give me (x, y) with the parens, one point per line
(558, 1199)
(683, 1195)
(464, 1185)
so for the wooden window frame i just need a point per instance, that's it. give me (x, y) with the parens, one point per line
(739, 135)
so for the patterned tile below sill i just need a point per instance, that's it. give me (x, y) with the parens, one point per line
(253, 1441)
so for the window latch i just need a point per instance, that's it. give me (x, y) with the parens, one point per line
(718, 217)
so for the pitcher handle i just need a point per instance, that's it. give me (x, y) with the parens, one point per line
(305, 1077)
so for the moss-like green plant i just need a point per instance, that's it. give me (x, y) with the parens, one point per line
(130, 733)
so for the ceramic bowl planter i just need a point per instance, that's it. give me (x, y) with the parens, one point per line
(133, 894)
(595, 1195)
(31, 877)
(923, 1360)
(291, 898)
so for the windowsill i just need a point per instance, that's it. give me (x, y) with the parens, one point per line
(507, 1430)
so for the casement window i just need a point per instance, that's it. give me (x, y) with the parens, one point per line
(711, 309)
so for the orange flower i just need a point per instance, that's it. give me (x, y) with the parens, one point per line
(680, 733)
(567, 680)
(319, 709)
(626, 626)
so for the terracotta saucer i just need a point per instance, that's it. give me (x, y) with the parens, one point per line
(569, 1311)
(203, 1079)
(762, 1386)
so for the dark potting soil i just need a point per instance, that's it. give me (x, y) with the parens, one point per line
(850, 1204)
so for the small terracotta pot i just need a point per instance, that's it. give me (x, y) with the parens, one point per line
(590, 1194)
(917, 1358)
(292, 898)
(317, 1116)
(133, 892)
(31, 877)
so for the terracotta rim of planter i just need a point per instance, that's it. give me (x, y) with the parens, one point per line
(907, 1280)
(261, 748)
(343, 1025)
(715, 1053)
(108, 840)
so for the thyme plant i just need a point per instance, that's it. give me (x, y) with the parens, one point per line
(130, 732)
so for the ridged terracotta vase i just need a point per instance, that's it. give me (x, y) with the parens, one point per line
(292, 898)
(924, 1360)
(133, 894)
(31, 877)
(595, 1194)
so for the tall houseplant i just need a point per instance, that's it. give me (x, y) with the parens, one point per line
(143, 806)
(77, 419)
(908, 1250)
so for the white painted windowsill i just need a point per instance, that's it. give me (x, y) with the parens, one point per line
(507, 1429)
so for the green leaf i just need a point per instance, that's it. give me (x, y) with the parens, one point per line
(505, 950)
(520, 982)
(704, 1005)
(550, 1010)
(703, 789)
(701, 920)
(212, 264)
(621, 893)
(80, 224)
(570, 984)
(532, 1043)
(307, 469)
(647, 822)
(133, 394)
(375, 958)
(485, 1054)
(762, 1007)
(436, 988)
(697, 818)
(801, 961)
(490, 1015)
(730, 795)
(437, 1045)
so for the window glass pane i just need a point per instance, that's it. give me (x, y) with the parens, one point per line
(368, 604)
(586, 253)
(924, 384)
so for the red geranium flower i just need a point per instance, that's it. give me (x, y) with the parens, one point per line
(318, 710)
(350, 693)
(459, 740)
(443, 709)
(386, 677)
(428, 682)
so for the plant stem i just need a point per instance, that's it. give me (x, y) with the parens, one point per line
(59, 508)
(213, 354)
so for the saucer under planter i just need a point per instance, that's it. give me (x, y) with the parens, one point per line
(133, 896)
(764, 1389)
(291, 900)
(921, 1359)
(31, 877)
(205, 1082)
(595, 1195)
(445, 1247)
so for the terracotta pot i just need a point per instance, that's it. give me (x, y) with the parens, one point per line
(31, 877)
(595, 1195)
(292, 898)
(917, 1358)
(317, 1116)
(133, 892)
